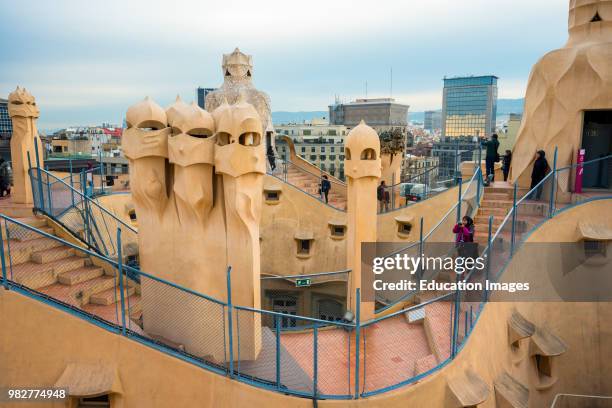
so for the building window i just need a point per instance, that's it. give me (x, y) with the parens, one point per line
(338, 230)
(403, 228)
(132, 215)
(303, 246)
(594, 248)
(307, 132)
(313, 157)
(322, 149)
(341, 157)
(332, 149)
(323, 157)
(332, 157)
(330, 310)
(286, 305)
(303, 149)
(312, 150)
(100, 401)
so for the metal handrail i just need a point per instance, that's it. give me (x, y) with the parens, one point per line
(341, 272)
(103, 209)
(285, 161)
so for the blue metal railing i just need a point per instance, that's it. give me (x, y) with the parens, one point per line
(438, 232)
(247, 343)
(80, 214)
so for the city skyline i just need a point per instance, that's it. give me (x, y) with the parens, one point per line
(82, 64)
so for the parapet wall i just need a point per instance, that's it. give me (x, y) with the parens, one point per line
(151, 378)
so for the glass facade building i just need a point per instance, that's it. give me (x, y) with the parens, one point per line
(6, 130)
(469, 106)
(201, 93)
(6, 127)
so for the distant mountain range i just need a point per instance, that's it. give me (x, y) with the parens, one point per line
(504, 108)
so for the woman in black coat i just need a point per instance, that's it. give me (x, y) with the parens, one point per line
(540, 169)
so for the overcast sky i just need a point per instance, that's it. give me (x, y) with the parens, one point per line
(87, 61)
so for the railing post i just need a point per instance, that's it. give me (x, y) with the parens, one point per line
(101, 172)
(315, 362)
(277, 325)
(421, 248)
(120, 272)
(551, 205)
(3, 260)
(40, 188)
(285, 169)
(478, 185)
(489, 251)
(357, 336)
(512, 240)
(455, 331)
(230, 329)
(455, 173)
(460, 182)
(393, 191)
(71, 182)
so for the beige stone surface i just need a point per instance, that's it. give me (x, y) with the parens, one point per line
(363, 169)
(151, 378)
(391, 167)
(194, 223)
(237, 69)
(563, 84)
(23, 111)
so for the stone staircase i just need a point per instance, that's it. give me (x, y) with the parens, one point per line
(63, 273)
(309, 183)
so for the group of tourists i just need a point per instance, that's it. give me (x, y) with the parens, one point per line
(538, 173)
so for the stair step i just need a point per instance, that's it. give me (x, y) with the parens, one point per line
(29, 237)
(21, 251)
(496, 189)
(110, 296)
(483, 220)
(79, 275)
(52, 254)
(79, 293)
(35, 275)
(493, 211)
(496, 203)
(496, 196)
(35, 222)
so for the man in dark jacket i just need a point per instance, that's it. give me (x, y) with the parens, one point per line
(491, 156)
(540, 169)
(325, 187)
(382, 195)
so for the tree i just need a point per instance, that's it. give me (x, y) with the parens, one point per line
(392, 141)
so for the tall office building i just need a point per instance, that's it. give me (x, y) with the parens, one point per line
(6, 130)
(469, 106)
(6, 127)
(380, 113)
(202, 92)
(432, 120)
